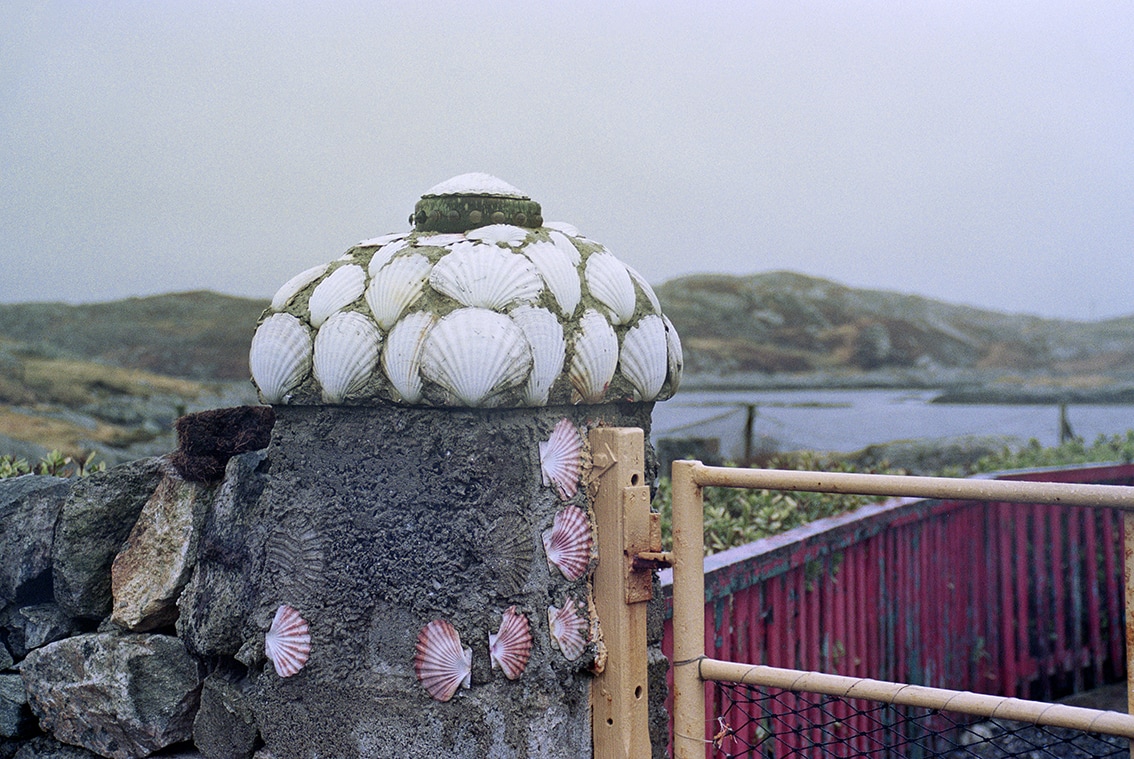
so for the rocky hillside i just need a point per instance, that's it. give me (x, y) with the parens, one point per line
(786, 322)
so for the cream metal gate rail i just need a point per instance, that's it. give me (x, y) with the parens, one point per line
(692, 669)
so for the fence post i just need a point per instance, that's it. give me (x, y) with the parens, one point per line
(1128, 574)
(619, 693)
(688, 613)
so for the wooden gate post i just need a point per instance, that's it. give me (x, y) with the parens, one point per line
(619, 694)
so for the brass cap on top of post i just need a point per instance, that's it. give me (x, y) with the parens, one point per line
(474, 200)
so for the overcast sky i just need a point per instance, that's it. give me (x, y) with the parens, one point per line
(975, 152)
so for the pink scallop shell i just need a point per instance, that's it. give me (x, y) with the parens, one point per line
(561, 459)
(288, 642)
(441, 664)
(568, 543)
(511, 646)
(568, 629)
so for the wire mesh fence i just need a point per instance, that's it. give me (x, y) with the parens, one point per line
(771, 723)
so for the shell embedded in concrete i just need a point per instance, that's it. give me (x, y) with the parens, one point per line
(341, 288)
(549, 350)
(676, 357)
(559, 270)
(288, 641)
(396, 286)
(610, 284)
(441, 664)
(280, 356)
(644, 358)
(401, 357)
(499, 234)
(346, 354)
(475, 354)
(596, 357)
(568, 629)
(561, 459)
(568, 543)
(291, 288)
(575, 304)
(485, 276)
(511, 646)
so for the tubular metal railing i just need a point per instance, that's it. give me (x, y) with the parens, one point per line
(692, 669)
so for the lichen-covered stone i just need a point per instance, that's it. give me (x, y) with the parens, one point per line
(155, 564)
(30, 627)
(29, 508)
(95, 521)
(225, 726)
(42, 747)
(121, 696)
(15, 716)
(217, 603)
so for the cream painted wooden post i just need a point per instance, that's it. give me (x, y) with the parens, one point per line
(619, 693)
(688, 613)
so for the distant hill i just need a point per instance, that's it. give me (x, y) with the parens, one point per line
(787, 322)
(194, 335)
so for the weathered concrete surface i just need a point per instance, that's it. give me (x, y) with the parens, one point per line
(377, 521)
(96, 520)
(121, 696)
(29, 508)
(217, 603)
(155, 564)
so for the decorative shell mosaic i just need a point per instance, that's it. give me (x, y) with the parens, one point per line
(497, 313)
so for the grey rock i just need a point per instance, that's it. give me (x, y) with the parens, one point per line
(218, 601)
(45, 748)
(148, 574)
(6, 659)
(30, 627)
(29, 508)
(121, 696)
(225, 727)
(15, 716)
(96, 520)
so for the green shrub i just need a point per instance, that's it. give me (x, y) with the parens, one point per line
(54, 464)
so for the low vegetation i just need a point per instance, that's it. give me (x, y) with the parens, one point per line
(734, 517)
(54, 464)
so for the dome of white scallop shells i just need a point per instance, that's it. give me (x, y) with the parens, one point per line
(481, 304)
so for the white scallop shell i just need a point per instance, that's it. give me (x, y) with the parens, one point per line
(475, 183)
(558, 271)
(280, 356)
(381, 240)
(346, 353)
(651, 296)
(564, 227)
(499, 234)
(288, 642)
(441, 664)
(289, 289)
(563, 242)
(644, 359)
(475, 354)
(438, 240)
(568, 543)
(561, 459)
(485, 276)
(395, 287)
(511, 646)
(401, 358)
(549, 349)
(676, 357)
(568, 629)
(610, 284)
(340, 289)
(384, 254)
(596, 356)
